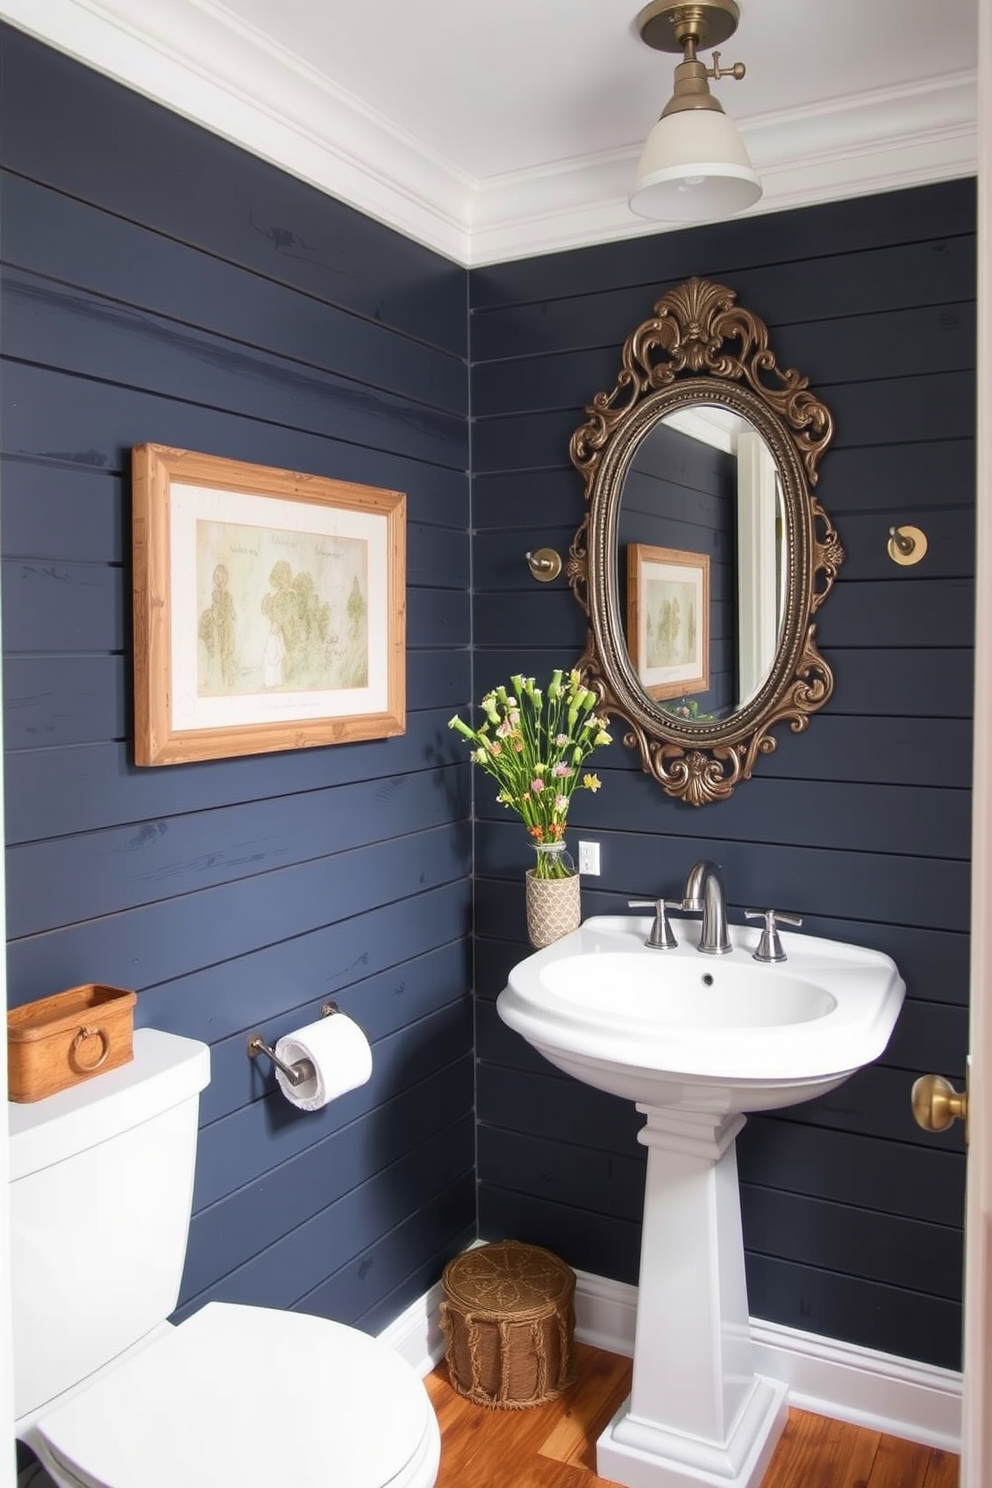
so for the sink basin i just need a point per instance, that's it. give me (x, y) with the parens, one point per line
(708, 1033)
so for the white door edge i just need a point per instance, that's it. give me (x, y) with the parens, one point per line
(976, 1461)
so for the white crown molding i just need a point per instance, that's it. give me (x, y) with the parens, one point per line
(899, 1397)
(851, 147)
(197, 60)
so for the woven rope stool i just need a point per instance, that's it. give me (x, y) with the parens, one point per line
(508, 1319)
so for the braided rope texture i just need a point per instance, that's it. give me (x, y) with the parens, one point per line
(508, 1318)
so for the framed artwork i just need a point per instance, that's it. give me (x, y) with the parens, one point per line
(668, 619)
(269, 608)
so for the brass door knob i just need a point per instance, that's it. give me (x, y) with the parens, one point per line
(936, 1104)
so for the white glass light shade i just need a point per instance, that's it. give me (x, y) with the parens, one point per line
(694, 168)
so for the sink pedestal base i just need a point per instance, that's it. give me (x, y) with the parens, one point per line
(697, 1413)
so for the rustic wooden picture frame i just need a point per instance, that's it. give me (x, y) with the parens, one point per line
(269, 608)
(668, 589)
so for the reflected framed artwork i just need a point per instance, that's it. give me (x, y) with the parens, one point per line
(668, 619)
(269, 608)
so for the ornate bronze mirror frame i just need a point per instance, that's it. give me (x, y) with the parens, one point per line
(702, 360)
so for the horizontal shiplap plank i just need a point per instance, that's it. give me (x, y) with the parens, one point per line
(887, 613)
(84, 335)
(866, 1312)
(62, 607)
(71, 420)
(550, 617)
(51, 794)
(936, 682)
(64, 240)
(103, 872)
(893, 276)
(925, 1257)
(917, 751)
(64, 700)
(95, 139)
(892, 1177)
(158, 942)
(528, 501)
(898, 478)
(69, 513)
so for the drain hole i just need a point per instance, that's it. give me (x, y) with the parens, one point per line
(708, 979)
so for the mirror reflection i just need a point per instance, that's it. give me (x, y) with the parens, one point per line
(700, 562)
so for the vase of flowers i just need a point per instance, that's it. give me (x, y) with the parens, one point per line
(533, 742)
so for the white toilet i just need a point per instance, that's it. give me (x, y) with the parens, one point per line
(108, 1393)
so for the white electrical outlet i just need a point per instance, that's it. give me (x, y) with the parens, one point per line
(589, 857)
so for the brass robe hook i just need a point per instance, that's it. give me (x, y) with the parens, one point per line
(545, 564)
(906, 545)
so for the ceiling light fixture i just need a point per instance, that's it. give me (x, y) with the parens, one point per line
(694, 166)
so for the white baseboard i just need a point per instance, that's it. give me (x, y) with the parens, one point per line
(416, 1333)
(918, 1402)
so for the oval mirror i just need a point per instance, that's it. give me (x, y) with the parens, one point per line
(703, 554)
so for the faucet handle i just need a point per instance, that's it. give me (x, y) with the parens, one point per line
(770, 945)
(662, 937)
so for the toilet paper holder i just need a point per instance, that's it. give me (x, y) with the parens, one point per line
(302, 1069)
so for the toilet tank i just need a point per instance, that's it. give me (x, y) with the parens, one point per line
(101, 1188)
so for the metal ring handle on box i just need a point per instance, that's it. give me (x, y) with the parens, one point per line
(80, 1039)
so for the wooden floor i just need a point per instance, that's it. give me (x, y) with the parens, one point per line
(554, 1445)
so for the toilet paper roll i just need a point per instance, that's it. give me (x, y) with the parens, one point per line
(340, 1054)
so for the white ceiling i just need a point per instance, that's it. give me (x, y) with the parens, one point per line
(495, 129)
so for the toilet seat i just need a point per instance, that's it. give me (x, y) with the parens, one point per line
(250, 1397)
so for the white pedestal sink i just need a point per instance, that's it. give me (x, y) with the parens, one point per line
(696, 1041)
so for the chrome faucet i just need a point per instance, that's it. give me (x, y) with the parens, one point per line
(704, 892)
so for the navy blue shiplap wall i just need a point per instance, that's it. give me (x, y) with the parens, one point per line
(160, 285)
(852, 1215)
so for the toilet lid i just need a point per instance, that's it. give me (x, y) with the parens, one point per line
(247, 1397)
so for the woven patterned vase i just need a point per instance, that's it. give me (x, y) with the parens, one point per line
(553, 904)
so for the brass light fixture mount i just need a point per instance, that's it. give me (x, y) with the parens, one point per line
(671, 26)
